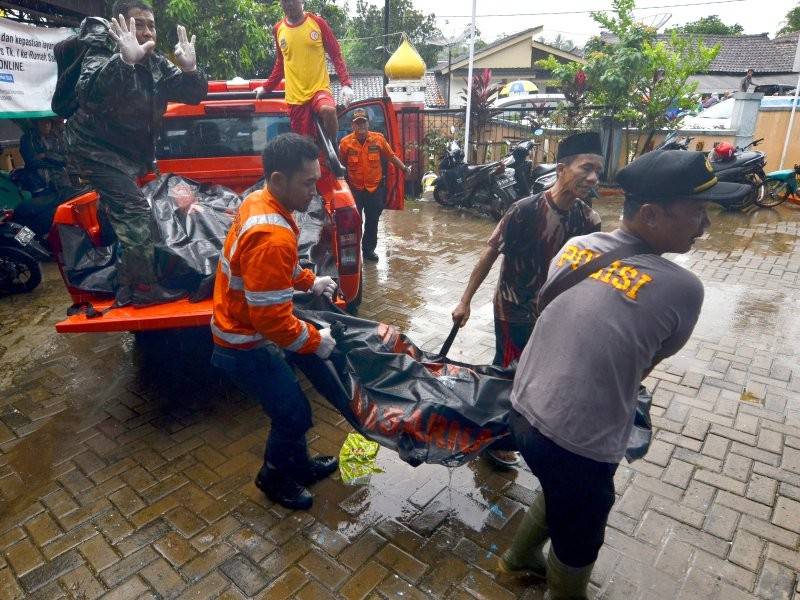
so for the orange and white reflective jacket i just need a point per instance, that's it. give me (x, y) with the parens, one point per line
(256, 278)
(363, 160)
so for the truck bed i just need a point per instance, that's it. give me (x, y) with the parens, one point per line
(171, 315)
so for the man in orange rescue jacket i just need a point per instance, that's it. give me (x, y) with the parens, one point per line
(253, 323)
(301, 41)
(363, 153)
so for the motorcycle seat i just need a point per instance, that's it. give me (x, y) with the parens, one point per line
(542, 169)
(738, 160)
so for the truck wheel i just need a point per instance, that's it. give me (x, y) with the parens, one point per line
(352, 306)
(19, 273)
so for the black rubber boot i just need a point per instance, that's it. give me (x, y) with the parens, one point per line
(565, 582)
(318, 468)
(283, 489)
(525, 556)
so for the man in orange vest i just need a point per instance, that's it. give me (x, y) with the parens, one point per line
(363, 153)
(253, 323)
(301, 41)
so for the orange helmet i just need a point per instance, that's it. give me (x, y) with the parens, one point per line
(724, 151)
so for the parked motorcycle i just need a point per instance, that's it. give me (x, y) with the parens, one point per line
(781, 186)
(20, 254)
(489, 188)
(733, 164)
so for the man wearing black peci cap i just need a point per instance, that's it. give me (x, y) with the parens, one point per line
(528, 237)
(575, 390)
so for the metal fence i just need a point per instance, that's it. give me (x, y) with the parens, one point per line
(426, 133)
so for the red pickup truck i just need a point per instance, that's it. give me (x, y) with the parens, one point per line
(220, 141)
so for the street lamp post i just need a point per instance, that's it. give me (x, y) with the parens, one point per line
(385, 37)
(449, 72)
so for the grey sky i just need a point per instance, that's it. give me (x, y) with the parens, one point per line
(756, 16)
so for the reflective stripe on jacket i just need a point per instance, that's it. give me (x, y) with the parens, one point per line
(256, 277)
(363, 161)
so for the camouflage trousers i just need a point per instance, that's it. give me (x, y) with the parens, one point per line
(127, 210)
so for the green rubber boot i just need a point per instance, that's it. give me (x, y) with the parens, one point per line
(565, 582)
(525, 555)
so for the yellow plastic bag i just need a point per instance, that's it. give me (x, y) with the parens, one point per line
(357, 459)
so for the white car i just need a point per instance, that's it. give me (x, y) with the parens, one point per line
(720, 115)
(529, 101)
(714, 117)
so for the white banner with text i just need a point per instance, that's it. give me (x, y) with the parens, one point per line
(27, 68)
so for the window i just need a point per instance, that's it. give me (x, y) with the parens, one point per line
(377, 121)
(210, 137)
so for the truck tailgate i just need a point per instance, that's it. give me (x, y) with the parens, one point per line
(171, 315)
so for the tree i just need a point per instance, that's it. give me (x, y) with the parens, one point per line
(484, 93)
(711, 25)
(365, 33)
(571, 79)
(559, 42)
(616, 63)
(634, 77)
(668, 87)
(792, 21)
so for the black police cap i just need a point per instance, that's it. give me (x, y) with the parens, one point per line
(587, 142)
(675, 174)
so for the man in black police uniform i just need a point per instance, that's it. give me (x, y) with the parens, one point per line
(575, 389)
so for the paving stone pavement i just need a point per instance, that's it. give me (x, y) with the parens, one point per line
(126, 469)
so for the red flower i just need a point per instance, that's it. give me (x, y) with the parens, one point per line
(580, 81)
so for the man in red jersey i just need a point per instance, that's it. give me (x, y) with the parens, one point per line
(301, 41)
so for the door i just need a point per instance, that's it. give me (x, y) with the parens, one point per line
(382, 119)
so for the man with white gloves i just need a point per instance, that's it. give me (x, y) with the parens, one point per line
(122, 93)
(253, 323)
(301, 41)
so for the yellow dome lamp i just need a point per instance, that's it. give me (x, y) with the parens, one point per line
(405, 63)
(405, 70)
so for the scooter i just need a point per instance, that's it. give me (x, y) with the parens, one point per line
(781, 186)
(489, 188)
(20, 255)
(735, 165)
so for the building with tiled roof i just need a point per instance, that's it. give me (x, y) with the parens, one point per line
(771, 60)
(510, 58)
(369, 84)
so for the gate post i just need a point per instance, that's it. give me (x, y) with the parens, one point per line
(745, 116)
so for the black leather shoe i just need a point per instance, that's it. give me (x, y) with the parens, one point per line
(318, 469)
(371, 256)
(283, 490)
(146, 295)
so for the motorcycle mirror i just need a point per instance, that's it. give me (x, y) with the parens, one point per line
(539, 132)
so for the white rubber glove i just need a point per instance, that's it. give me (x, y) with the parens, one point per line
(324, 286)
(326, 343)
(124, 34)
(347, 95)
(185, 55)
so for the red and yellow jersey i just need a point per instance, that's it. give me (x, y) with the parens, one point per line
(363, 161)
(256, 278)
(300, 58)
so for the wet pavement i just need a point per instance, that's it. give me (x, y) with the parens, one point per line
(126, 469)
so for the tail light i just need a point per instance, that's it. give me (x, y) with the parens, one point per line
(348, 239)
(6, 215)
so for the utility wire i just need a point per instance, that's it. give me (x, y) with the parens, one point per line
(371, 37)
(584, 12)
